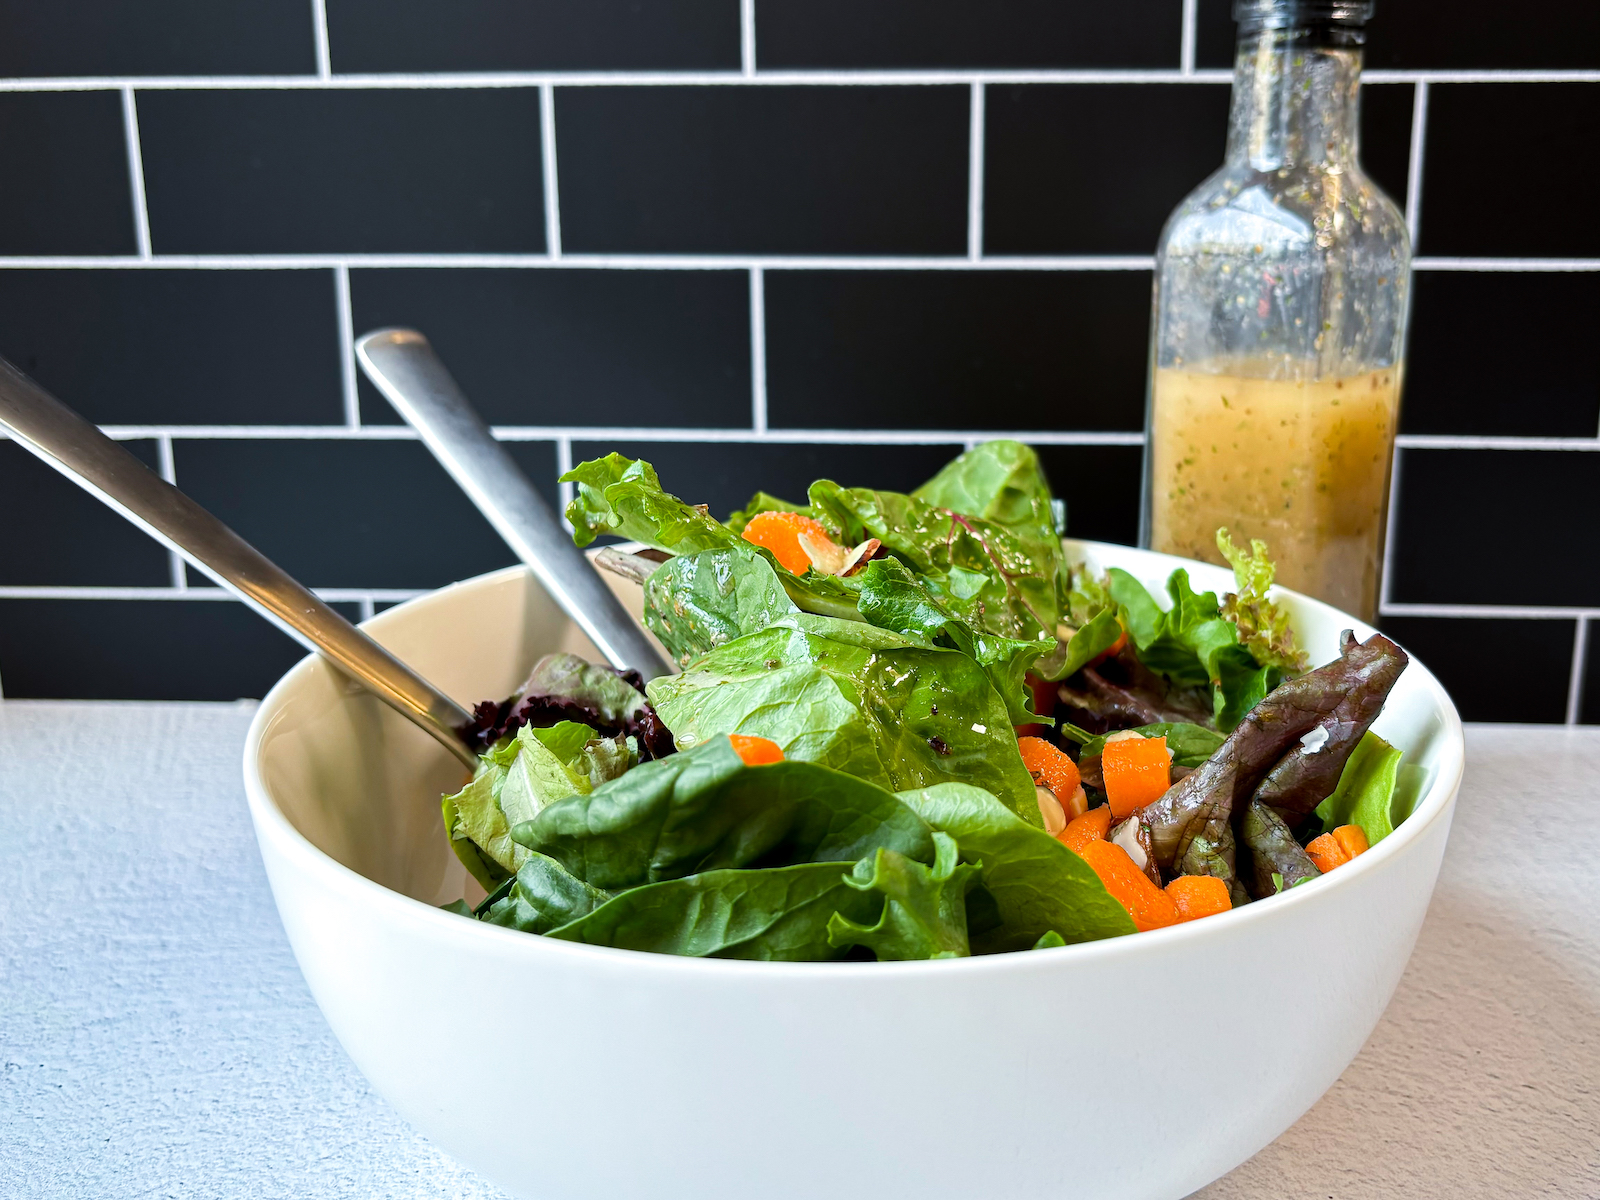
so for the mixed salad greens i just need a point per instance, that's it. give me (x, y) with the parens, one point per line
(906, 727)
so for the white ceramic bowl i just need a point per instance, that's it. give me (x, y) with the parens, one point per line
(1143, 1066)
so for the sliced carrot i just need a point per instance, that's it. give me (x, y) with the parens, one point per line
(1327, 853)
(1352, 839)
(756, 751)
(1148, 905)
(1138, 771)
(1050, 767)
(1092, 826)
(1199, 896)
(781, 533)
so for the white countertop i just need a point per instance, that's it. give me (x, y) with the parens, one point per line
(156, 1038)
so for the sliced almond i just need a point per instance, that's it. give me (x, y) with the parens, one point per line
(1055, 820)
(1126, 835)
(1076, 804)
(859, 557)
(826, 556)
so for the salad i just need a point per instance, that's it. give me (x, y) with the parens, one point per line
(907, 727)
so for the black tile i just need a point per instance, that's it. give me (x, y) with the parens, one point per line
(1386, 136)
(156, 37)
(763, 170)
(54, 532)
(1477, 130)
(1498, 527)
(341, 513)
(1101, 487)
(67, 189)
(1589, 701)
(135, 347)
(1503, 353)
(725, 475)
(793, 34)
(1468, 34)
(575, 347)
(387, 169)
(141, 650)
(957, 349)
(1454, 649)
(1094, 169)
(533, 35)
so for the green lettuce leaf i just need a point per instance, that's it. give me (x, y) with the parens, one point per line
(761, 502)
(1190, 745)
(999, 481)
(1037, 884)
(1263, 627)
(704, 810)
(924, 908)
(544, 897)
(866, 701)
(623, 496)
(1366, 790)
(1093, 639)
(771, 913)
(1049, 941)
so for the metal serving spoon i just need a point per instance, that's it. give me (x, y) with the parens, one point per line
(404, 367)
(70, 444)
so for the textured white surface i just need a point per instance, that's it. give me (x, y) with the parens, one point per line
(156, 1038)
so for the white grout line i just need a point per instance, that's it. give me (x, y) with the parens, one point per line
(564, 490)
(168, 469)
(319, 26)
(368, 609)
(141, 212)
(1518, 612)
(1186, 45)
(823, 78)
(747, 38)
(208, 592)
(347, 347)
(552, 189)
(1385, 579)
(758, 351)
(1452, 263)
(1419, 133)
(975, 176)
(1580, 654)
(1448, 441)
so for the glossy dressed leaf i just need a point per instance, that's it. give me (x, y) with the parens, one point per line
(1037, 883)
(924, 908)
(1366, 790)
(866, 701)
(623, 496)
(762, 502)
(703, 810)
(1000, 481)
(773, 914)
(1092, 640)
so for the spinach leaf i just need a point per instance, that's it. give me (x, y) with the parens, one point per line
(704, 810)
(623, 496)
(999, 481)
(1036, 882)
(544, 897)
(893, 598)
(1366, 790)
(863, 700)
(924, 908)
(773, 913)
(1092, 640)
(1049, 941)
(1190, 745)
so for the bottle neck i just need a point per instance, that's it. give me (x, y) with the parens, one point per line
(1296, 101)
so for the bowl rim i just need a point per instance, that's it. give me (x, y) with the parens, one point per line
(273, 826)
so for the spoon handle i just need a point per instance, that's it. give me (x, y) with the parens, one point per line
(410, 375)
(64, 440)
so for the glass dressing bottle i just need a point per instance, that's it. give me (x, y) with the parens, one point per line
(1281, 290)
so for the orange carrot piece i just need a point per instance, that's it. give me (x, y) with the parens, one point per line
(1091, 827)
(756, 751)
(1138, 771)
(1199, 896)
(1148, 905)
(1110, 651)
(1050, 767)
(780, 532)
(1327, 853)
(1352, 839)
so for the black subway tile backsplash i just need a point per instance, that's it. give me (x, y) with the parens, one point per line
(1101, 487)
(763, 169)
(141, 347)
(575, 347)
(903, 34)
(55, 533)
(156, 37)
(1454, 649)
(360, 514)
(343, 170)
(142, 649)
(956, 349)
(1386, 110)
(1078, 169)
(533, 35)
(66, 189)
(1497, 527)
(1503, 353)
(1540, 133)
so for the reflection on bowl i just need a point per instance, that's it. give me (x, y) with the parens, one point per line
(1139, 1067)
